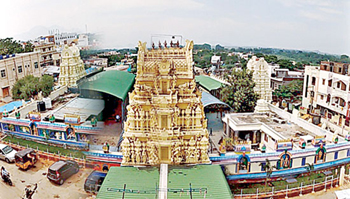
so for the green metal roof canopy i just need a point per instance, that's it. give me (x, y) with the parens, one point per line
(114, 82)
(140, 183)
(208, 82)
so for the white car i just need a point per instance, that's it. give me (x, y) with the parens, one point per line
(7, 153)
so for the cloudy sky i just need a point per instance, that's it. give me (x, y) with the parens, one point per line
(292, 24)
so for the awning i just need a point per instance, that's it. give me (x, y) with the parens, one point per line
(208, 99)
(113, 82)
(208, 83)
(11, 106)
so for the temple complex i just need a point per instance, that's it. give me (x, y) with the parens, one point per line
(72, 67)
(165, 117)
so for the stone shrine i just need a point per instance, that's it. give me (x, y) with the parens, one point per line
(72, 67)
(165, 117)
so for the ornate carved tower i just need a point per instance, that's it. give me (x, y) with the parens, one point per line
(165, 119)
(72, 67)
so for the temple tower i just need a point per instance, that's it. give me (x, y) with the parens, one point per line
(72, 67)
(261, 77)
(165, 119)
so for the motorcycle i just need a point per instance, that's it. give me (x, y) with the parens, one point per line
(6, 179)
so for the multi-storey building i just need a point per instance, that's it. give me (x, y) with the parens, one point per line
(65, 38)
(282, 76)
(48, 53)
(15, 67)
(327, 91)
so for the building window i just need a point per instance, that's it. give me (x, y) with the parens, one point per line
(303, 160)
(330, 83)
(336, 155)
(348, 152)
(313, 81)
(262, 166)
(20, 69)
(321, 97)
(36, 65)
(323, 81)
(3, 73)
(338, 84)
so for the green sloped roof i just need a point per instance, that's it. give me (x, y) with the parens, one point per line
(210, 177)
(208, 82)
(114, 82)
(136, 179)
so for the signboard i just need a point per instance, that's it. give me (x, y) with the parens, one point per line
(240, 148)
(34, 116)
(71, 119)
(318, 140)
(282, 145)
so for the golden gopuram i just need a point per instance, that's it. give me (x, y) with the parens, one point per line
(165, 117)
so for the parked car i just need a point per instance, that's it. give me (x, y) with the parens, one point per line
(94, 181)
(7, 153)
(61, 170)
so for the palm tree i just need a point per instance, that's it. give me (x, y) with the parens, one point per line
(310, 167)
(268, 169)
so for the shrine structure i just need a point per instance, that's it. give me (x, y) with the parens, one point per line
(261, 77)
(165, 119)
(72, 67)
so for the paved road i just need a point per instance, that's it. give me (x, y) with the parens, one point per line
(72, 188)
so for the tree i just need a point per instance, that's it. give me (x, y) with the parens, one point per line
(29, 86)
(10, 46)
(268, 169)
(240, 93)
(309, 167)
(290, 90)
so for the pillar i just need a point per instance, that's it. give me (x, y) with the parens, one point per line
(227, 125)
(254, 136)
(342, 175)
(235, 137)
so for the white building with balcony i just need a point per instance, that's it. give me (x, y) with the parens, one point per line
(327, 91)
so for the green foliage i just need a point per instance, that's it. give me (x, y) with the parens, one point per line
(201, 47)
(10, 46)
(290, 90)
(85, 54)
(43, 147)
(29, 86)
(296, 55)
(240, 94)
(286, 64)
(202, 58)
(219, 47)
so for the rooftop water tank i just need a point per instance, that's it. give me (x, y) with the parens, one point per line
(48, 103)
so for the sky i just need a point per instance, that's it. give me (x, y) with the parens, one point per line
(316, 25)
